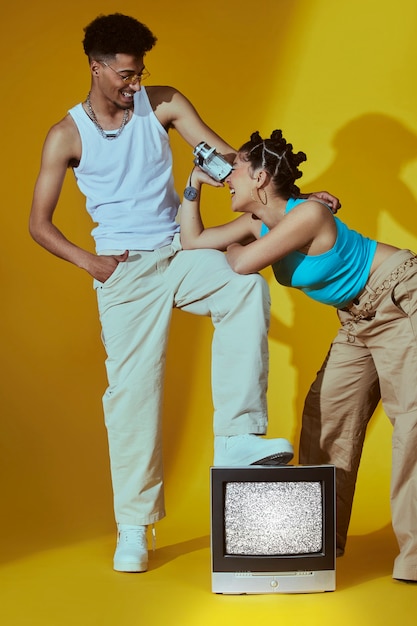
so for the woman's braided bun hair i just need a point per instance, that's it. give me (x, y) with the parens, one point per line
(275, 156)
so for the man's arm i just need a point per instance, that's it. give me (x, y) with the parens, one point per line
(173, 109)
(61, 147)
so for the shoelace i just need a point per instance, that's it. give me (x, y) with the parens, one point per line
(134, 536)
(131, 535)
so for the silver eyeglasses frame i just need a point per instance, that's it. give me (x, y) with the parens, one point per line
(132, 78)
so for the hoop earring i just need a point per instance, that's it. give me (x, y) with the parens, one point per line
(265, 199)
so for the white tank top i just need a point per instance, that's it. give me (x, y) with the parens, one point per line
(128, 182)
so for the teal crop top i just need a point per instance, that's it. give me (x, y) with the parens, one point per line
(335, 277)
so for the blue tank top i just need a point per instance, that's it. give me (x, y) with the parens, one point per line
(335, 277)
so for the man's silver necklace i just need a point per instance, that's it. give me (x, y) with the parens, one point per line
(109, 136)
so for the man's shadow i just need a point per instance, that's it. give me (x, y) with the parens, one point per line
(371, 152)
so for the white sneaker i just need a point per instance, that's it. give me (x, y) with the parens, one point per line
(132, 550)
(243, 450)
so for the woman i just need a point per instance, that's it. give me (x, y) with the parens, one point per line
(373, 287)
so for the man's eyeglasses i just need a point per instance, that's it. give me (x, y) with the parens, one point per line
(130, 78)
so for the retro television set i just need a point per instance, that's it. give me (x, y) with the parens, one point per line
(273, 529)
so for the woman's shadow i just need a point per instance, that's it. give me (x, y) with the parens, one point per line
(371, 152)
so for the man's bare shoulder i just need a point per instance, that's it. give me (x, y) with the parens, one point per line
(169, 104)
(63, 140)
(163, 97)
(160, 94)
(65, 129)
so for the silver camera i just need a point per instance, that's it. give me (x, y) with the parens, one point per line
(211, 161)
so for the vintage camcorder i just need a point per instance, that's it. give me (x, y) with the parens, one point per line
(211, 161)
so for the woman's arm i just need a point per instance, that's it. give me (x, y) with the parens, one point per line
(193, 233)
(309, 228)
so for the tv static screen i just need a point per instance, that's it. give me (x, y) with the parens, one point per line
(273, 519)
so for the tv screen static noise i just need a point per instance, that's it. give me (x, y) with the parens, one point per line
(273, 529)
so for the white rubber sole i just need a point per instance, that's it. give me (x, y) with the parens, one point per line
(133, 567)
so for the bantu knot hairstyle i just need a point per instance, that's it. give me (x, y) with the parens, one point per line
(109, 35)
(275, 156)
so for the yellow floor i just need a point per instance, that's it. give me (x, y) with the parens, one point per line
(74, 584)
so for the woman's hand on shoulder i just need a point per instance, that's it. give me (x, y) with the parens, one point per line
(332, 202)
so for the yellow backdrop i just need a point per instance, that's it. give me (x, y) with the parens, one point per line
(339, 79)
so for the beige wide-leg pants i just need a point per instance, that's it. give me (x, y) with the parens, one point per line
(373, 356)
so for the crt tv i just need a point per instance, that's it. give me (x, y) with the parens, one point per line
(273, 529)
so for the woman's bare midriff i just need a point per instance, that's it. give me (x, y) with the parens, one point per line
(383, 251)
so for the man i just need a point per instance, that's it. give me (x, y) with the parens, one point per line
(116, 143)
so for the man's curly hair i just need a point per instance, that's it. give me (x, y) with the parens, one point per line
(109, 35)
